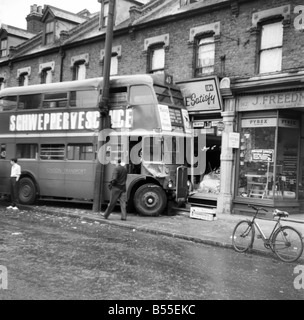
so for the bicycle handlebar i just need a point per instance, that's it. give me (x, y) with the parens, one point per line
(257, 209)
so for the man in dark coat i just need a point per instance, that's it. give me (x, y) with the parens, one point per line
(118, 191)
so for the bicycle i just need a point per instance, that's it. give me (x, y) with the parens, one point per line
(285, 241)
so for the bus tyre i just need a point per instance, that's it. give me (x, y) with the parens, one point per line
(27, 191)
(150, 200)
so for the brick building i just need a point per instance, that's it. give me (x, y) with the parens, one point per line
(246, 52)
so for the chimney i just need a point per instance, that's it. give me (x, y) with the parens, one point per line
(34, 24)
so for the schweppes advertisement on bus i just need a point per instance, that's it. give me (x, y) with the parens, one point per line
(54, 121)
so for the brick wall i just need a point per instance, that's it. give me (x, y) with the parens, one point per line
(237, 43)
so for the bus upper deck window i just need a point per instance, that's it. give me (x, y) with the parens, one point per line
(31, 101)
(55, 100)
(84, 99)
(163, 94)
(141, 95)
(8, 103)
(177, 98)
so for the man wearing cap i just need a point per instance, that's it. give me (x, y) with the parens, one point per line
(118, 191)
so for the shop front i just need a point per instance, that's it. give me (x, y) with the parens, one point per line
(270, 159)
(204, 105)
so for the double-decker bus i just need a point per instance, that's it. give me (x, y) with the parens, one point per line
(53, 131)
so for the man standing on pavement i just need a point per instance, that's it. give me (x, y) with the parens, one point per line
(118, 191)
(14, 178)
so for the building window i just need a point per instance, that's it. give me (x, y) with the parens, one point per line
(271, 47)
(157, 59)
(3, 51)
(46, 75)
(114, 65)
(105, 14)
(49, 32)
(79, 70)
(205, 56)
(24, 79)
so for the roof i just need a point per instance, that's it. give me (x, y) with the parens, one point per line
(92, 83)
(14, 31)
(172, 7)
(62, 14)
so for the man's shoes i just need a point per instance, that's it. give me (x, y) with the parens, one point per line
(9, 207)
(103, 215)
(15, 208)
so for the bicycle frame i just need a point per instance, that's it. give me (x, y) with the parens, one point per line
(264, 238)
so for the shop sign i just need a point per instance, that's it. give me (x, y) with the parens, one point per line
(262, 155)
(259, 122)
(201, 94)
(289, 123)
(282, 100)
(234, 140)
(202, 124)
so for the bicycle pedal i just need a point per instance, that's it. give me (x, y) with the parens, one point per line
(259, 236)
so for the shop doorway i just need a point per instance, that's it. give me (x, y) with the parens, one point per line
(206, 186)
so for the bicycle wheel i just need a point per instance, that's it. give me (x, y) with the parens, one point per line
(243, 236)
(287, 244)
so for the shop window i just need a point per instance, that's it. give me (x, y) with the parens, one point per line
(268, 170)
(3, 48)
(24, 79)
(27, 151)
(205, 54)
(49, 32)
(46, 75)
(271, 47)
(79, 70)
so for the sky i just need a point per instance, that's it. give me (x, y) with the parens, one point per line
(14, 12)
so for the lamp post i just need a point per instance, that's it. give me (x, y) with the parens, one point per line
(104, 105)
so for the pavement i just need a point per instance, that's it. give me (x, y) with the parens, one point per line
(179, 225)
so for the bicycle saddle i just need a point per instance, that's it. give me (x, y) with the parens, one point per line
(279, 213)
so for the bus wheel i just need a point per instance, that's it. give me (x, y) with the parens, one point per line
(27, 191)
(150, 200)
